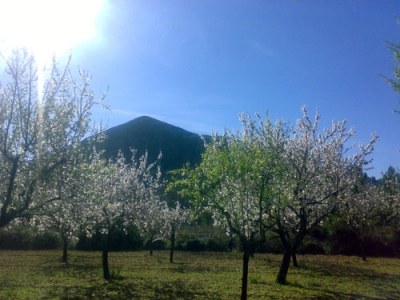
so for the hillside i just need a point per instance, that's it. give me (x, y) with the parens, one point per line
(177, 145)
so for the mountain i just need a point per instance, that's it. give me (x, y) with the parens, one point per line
(177, 145)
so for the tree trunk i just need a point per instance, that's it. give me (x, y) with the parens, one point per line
(171, 253)
(252, 249)
(281, 279)
(362, 249)
(294, 259)
(106, 269)
(151, 245)
(65, 248)
(230, 244)
(245, 273)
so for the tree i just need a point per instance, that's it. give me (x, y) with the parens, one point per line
(122, 191)
(395, 81)
(69, 212)
(391, 192)
(38, 132)
(156, 225)
(364, 208)
(174, 219)
(283, 178)
(318, 175)
(232, 183)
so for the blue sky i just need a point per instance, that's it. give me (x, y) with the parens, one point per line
(197, 64)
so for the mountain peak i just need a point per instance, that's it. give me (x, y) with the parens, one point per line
(147, 134)
(145, 118)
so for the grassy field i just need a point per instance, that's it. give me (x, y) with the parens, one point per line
(41, 275)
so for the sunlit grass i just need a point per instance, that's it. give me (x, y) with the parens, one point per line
(41, 275)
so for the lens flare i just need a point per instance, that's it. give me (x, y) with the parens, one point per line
(48, 27)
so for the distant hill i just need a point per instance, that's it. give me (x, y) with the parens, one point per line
(177, 145)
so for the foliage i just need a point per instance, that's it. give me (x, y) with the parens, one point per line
(367, 222)
(120, 239)
(70, 212)
(364, 209)
(390, 185)
(395, 81)
(232, 183)
(319, 173)
(287, 179)
(25, 237)
(121, 194)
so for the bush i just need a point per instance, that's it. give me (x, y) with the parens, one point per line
(46, 241)
(271, 245)
(217, 245)
(13, 240)
(24, 237)
(345, 242)
(156, 245)
(195, 245)
(119, 240)
(122, 241)
(395, 244)
(312, 248)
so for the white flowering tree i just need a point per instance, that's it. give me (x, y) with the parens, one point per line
(320, 168)
(41, 125)
(364, 210)
(155, 225)
(391, 193)
(175, 217)
(122, 190)
(72, 209)
(109, 185)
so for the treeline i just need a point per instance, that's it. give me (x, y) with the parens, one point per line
(334, 238)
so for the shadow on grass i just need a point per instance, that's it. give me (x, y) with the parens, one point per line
(81, 279)
(384, 284)
(112, 290)
(332, 269)
(69, 269)
(179, 289)
(329, 294)
(188, 268)
(124, 289)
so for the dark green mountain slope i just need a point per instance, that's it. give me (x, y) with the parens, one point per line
(177, 145)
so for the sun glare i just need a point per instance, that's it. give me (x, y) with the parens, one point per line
(48, 27)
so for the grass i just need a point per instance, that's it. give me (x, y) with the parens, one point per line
(41, 275)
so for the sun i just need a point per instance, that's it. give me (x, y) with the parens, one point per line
(48, 28)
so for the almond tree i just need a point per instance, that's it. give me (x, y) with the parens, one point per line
(156, 225)
(40, 126)
(72, 210)
(109, 184)
(226, 182)
(174, 219)
(319, 171)
(122, 190)
(391, 193)
(364, 209)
